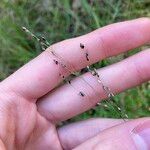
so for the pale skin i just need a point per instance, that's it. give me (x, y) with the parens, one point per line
(30, 107)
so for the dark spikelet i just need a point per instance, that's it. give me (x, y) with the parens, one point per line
(45, 44)
(81, 94)
(82, 46)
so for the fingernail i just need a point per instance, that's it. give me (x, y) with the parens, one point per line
(141, 136)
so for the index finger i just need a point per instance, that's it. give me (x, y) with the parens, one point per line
(41, 75)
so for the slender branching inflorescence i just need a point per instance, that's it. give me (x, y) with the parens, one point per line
(60, 61)
(106, 89)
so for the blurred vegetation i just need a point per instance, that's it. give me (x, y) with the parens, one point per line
(61, 19)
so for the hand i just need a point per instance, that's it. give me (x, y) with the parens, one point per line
(30, 107)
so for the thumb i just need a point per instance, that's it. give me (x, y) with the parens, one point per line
(132, 135)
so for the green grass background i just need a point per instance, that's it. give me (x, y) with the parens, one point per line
(61, 19)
